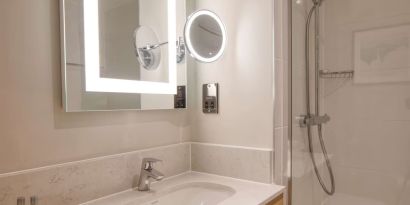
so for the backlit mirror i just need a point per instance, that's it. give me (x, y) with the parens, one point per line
(121, 54)
(205, 36)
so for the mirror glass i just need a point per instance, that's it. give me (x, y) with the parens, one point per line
(205, 36)
(117, 20)
(105, 46)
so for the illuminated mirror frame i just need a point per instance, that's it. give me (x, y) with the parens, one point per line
(95, 83)
(187, 35)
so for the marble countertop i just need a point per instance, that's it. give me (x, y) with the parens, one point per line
(246, 192)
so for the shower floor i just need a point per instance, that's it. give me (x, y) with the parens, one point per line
(344, 199)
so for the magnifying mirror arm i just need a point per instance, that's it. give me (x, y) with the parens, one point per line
(151, 47)
(180, 49)
(148, 55)
(179, 42)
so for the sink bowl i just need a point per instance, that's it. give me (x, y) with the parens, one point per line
(196, 193)
(193, 188)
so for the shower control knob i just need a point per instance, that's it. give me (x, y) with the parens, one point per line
(312, 120)
(302, 120)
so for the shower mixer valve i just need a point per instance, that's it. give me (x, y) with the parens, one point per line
(312, 120)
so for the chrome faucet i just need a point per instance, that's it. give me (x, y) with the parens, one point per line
(147, 172)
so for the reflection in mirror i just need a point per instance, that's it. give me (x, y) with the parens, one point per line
(205, 36)
(147, 47)
(165, 21)
(118, 20)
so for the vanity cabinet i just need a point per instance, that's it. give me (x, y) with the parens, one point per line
(277, 201)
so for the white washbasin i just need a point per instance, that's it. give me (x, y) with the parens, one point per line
(197, 193)
(194, 188)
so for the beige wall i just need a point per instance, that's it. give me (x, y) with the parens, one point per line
(34, 131)
(245, 76)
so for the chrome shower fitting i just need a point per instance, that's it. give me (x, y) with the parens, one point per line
(315, 119)
(336, 74)
(305, 120)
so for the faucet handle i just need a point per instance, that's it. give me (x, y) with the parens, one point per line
(148, 163)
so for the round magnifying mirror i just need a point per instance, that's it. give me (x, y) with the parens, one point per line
(205, 36)
(147, 47)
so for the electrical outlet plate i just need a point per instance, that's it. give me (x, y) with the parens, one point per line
(180, 98)
(210, 98)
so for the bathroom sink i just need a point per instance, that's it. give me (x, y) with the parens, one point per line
(190, 193)
(198, 193)
(194, 188)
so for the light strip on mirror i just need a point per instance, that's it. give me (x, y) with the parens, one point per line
(94, 83)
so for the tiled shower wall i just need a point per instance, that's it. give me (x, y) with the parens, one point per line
(369, 135)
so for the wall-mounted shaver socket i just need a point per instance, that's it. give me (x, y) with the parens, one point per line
(210, 98)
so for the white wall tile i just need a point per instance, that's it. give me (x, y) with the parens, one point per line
(368, 135)
(369, 184)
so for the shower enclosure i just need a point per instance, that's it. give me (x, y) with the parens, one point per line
(350, 102)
